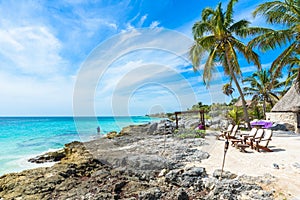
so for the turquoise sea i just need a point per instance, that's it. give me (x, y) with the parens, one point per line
(25, 137)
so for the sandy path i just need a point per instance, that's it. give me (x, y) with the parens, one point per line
(286, 154)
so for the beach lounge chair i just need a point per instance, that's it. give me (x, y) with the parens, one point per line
(264, 142)
(225, 132)
(243, 137)
(258, 137)
(252, 134)
(233, 133)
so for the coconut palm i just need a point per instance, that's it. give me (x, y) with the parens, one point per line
(264, 87)
(228, 89)
(287, 13)
(216, 34)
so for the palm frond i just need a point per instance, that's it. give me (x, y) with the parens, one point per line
(271, 40)
(207, 42)
(251, 31)
(200, 28)
(229, 12)
(249, 54)
(206, 13)
(277, 12)
(196, 53)
(283, 58)
(209, 67)
(236, 27)
(274, 95)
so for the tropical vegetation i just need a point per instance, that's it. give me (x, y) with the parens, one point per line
(218, 35)
(228, 89)
(263, 87)
(286, 13)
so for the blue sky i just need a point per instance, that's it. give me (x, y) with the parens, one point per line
(45, 45)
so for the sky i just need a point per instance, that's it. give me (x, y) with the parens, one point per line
(106, 57)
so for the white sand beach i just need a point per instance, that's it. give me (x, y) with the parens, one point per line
(286, 154)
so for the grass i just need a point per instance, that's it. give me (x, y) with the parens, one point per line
(190, 133)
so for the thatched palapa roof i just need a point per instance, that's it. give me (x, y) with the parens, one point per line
(239, 103)
(289, 102)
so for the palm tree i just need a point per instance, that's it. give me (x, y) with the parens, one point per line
(216, 35)
(228, 89)
(263, 85)
(287, 13)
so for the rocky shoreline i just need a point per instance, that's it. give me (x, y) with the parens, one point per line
(143, 163)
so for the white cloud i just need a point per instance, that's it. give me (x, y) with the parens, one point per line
(32, 49)
(154, 24)
(130, 24)
(253, 68)
(142, 20)
(139, 57)
(33, 78)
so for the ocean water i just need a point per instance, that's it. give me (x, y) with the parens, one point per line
(24, 137)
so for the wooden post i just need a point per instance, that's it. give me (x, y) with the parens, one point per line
(203, 119)
(176, 118)
(201, 113)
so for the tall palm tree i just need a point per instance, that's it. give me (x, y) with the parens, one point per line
(216, 34)
(263, 86)
(287, 13)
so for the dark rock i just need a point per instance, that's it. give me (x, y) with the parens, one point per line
(234, 189)
(225, 175)
(152, 128)
(151, 194)
(102, 173)
(129, 167)
(182, 195)
(118, 186)
(195, 171)
(174, 176)
(49, 157)
(135, 129)
(193, 177)
(145, 162)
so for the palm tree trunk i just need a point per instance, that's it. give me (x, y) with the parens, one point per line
(246, 116)
(264, 108)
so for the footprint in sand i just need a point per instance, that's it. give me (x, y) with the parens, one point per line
(296, 166)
